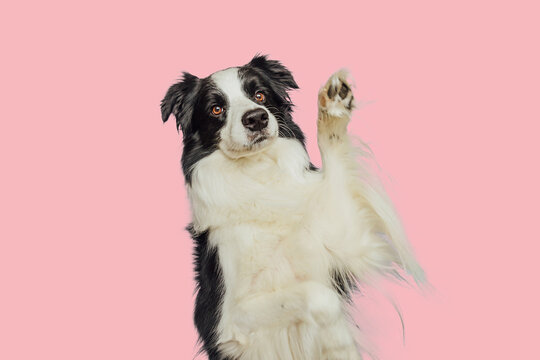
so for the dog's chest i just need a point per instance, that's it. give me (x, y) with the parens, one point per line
(255, 213)
(259, 259)
(271, 189)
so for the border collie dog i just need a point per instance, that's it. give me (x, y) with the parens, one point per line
(279, 244)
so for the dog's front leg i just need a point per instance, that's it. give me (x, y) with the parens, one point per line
(279, 308)
(350, 222)
(335, 105)
(256, 323)
(364, 231)
(308, 301)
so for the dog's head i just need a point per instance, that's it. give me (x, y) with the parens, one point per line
(239, 110)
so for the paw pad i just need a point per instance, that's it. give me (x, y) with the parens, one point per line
(336, 97)
(342, 89)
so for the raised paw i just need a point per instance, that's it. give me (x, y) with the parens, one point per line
(336, 97)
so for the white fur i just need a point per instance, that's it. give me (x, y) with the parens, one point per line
(280, 229)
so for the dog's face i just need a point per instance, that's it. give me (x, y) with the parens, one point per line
(239, 110)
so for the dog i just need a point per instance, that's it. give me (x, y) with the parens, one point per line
(279, 244)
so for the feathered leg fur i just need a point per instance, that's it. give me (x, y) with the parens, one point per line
(378, 242)
(372, 240)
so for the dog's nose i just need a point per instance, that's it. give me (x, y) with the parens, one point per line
(255, 120)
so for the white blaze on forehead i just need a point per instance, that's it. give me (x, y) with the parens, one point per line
(229, 83)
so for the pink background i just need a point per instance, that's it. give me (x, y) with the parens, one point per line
(94, 261)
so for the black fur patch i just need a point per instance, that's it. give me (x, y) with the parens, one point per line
(312, 167)
(191, 101)
(343, 283)
(210, 291)
(179, 101)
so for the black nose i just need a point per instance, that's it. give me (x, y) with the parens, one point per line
(255, 120)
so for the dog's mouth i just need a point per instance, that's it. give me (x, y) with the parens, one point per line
(255, 142)
(258, 139)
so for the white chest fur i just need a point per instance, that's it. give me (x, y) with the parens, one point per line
(252, 206)
(257, 209)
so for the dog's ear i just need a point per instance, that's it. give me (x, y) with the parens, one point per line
(275, 70)
(179, 101)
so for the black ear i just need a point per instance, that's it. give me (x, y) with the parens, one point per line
(179, 101)
(275, 70)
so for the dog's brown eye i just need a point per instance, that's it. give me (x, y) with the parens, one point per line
(259, 96)
(216, 110)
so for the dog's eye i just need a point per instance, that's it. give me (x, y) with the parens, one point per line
(259, 96)
(216, 110)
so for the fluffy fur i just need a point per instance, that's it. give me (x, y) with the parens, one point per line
(279, 244)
